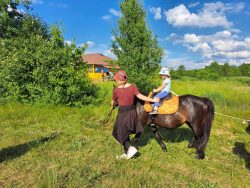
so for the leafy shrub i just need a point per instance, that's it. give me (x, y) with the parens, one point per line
(207, 74)
(46, 71)
(35, 64)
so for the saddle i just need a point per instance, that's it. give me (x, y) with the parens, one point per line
(167, 105)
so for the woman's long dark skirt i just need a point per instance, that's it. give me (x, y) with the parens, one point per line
(127, 122)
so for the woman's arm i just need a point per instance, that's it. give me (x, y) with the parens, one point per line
(144, 98)
(112, 105)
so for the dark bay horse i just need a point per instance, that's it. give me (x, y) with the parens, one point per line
(196, 112)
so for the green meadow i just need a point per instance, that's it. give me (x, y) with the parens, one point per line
(58, 146)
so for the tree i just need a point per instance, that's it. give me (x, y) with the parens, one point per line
(245, 69)
(14, 23)
(138, 53)
(215, 67)
(181, 70)
(206, 74)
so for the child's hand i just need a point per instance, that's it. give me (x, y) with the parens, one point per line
(155, 100)
(154, 90)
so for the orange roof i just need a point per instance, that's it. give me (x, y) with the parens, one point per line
(96, 59)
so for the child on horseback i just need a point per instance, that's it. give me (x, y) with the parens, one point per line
(127, 121)
(164, 89)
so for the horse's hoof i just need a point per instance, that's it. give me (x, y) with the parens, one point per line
(200, 155)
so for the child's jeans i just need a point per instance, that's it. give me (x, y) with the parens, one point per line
(160, 95)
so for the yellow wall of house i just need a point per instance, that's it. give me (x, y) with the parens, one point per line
(95, 76)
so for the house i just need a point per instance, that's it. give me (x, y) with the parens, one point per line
(99, 65)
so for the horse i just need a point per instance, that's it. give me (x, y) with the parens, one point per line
(196, 112)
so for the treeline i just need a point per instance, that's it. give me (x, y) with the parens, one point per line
(213, 72)
(35, 63)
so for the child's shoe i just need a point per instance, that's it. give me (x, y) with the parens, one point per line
(155, 111)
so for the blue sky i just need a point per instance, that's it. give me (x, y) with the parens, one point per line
(192, 33)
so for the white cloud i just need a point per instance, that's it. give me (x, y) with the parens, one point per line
(90, 44)
(221, 7)
(115, 12)
(208, 17)
(156, 12)
(176, 39)
(106, 17)
(222, 46)
(192, 5)
(211, 15)
(112, 12)
(234, 55)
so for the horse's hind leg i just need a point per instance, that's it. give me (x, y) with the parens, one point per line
(198, 138)
(158, 137)
(193, 142)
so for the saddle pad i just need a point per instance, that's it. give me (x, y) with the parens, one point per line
(168, 106)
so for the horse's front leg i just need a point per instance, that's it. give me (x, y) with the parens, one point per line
(158, 137)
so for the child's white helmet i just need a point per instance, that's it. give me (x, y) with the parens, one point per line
(165, 71)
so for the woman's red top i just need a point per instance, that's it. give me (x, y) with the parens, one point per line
(125, 96)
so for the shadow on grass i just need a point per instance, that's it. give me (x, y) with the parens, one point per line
(240, 150)
(169, 135)
(13, 152)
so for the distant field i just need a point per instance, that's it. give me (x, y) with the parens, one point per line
(82, 151)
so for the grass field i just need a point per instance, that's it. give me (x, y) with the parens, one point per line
(57, 146)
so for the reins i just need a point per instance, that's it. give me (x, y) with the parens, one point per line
(108, 117)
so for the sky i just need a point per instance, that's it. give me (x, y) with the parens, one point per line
(192, 33)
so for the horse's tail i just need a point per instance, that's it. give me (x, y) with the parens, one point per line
(207, 125)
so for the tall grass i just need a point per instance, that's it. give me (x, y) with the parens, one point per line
(82, 151)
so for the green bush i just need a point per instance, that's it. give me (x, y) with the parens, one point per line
(206, 74)
(34, 70)
(35, 63)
